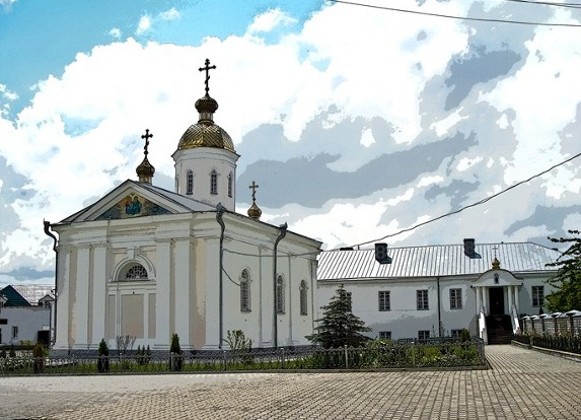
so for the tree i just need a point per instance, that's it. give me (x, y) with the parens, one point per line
(339, 327)
(568, 278)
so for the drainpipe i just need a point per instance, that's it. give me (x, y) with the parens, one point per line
(219, 212)
(55, 249)
(281, 235)
(439, 309)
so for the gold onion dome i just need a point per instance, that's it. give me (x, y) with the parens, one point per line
(205, 133)
(254, 212)
(145, 171)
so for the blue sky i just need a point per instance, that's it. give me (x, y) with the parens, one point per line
(358, 123)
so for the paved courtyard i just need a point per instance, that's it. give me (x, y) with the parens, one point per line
(522, 384)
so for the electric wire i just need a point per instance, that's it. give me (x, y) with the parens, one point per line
(435, 219)
(468, 18)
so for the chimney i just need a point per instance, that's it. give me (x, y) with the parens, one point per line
(469, 247)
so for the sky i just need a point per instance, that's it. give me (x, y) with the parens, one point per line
(357, 121)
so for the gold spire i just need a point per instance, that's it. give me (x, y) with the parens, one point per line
(254, 211)
(145, 170)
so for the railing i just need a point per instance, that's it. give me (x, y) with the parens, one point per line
(376, 355)
(483, 333)
(514, 320)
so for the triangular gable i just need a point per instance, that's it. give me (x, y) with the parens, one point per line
(497, 278)
(133, 204)
(133, 199)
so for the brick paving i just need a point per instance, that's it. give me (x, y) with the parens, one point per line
(521, 384)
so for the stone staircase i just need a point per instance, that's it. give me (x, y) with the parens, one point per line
(499, 329)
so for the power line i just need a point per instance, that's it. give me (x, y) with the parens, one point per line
(435, 219)
(548, 3)
(477, 203)
(440, 15)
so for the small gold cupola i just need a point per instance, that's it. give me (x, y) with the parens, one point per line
(254, 211)
(145, 170)
(495, 264)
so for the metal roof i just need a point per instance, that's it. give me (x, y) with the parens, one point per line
(434, 261)
(26, 294)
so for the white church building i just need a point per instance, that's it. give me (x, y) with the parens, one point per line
(438, 290)
(146, 262)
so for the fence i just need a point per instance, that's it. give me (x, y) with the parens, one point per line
(557, 323)
(376, 355)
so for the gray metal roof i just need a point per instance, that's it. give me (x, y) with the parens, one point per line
(434, 261)
(34, 292)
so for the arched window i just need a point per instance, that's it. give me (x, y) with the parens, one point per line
(280, 295)
(133, 272)
(245, 291)
(303, 298)
(190, 183)
(214, 182)
(230, 184)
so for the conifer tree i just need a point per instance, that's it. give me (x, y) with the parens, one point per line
(568, 278)
(339, 326)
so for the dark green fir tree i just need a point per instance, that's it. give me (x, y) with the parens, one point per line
(339, 326)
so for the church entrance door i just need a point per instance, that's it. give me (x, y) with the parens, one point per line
(496, 296)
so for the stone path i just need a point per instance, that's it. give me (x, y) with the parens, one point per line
(523, 384)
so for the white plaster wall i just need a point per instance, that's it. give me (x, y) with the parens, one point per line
(29, 320)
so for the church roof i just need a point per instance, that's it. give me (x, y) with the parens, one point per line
(162, 197)
(434, 261)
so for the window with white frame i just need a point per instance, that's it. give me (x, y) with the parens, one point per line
(455, 298)
(280, 295)
(133, 272)
(538, 295)
(230, 183)
(385, 335)
(384, 301)
(423, 334)
(303, 298)
(190, 183)
(213, 182)
(245, 291)
(422, 300)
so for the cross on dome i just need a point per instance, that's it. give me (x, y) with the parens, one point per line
(253, 187)
(146, 136)
(207, 68)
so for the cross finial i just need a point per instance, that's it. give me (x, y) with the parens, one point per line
(253, 187)
(207, 68)
(146, 137)
(495, 248)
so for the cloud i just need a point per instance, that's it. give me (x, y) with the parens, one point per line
(347, 123)
(267, 21)
(144, 25)
(171, 14)
(115, 33)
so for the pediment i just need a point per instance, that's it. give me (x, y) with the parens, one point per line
(497, 278)
(132, 199)
(133, 204)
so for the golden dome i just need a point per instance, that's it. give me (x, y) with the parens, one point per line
(205, 133)
(254, 212)
(145, 171)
